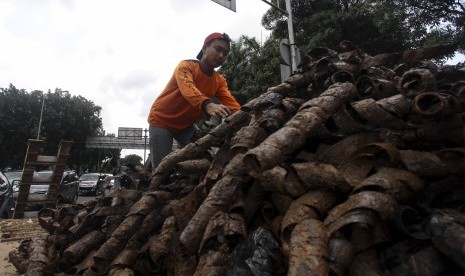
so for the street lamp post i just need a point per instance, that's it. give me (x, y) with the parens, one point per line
(41, 112)
(145, 142)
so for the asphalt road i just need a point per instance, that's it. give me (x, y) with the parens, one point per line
(84, 198)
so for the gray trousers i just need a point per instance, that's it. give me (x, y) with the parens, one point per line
(161, 142)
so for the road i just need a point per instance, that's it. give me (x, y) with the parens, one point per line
(84, 198)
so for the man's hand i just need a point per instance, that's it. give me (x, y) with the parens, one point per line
(218, 110)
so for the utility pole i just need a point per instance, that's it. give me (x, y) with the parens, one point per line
(145, 142)
(290, 28)
(291, 36)
(41, 112)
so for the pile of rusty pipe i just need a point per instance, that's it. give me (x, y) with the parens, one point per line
(311, 115)
(335, 162)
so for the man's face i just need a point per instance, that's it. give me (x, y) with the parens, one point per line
(215, 54)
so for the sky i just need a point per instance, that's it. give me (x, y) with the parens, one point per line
(119, 54)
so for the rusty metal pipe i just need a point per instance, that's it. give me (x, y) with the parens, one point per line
(435, 105)
(417, 81)
(309, 249)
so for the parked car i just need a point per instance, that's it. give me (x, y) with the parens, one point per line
(6, 190)
(69, 187)
(14, 175)
(92, 183)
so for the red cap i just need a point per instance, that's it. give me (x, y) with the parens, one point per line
(209, 38)
(212, 36)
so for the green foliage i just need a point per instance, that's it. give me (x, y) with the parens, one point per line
(375, 26)
(444, 20)
(131, 159)
(18, 123)
(251, 68)
(64, 117)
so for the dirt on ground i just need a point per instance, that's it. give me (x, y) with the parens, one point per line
(20, 229)
(7, 268)
(12, 232)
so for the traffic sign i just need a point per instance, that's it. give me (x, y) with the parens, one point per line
(285, 51)
(230, 4)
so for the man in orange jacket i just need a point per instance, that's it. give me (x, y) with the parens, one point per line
(188, 96)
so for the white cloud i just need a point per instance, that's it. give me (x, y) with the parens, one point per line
(117, 53)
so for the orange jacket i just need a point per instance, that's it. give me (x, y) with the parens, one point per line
(180, 103)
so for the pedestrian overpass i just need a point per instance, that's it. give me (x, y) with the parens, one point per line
(128, 138)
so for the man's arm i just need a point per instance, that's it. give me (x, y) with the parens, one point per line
(226, 98)
(185, 80)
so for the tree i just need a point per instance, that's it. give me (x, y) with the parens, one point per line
(251, 68)
(19, 118)
(375, 26)
(131, 159)
(64, 117)
(444, 18)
